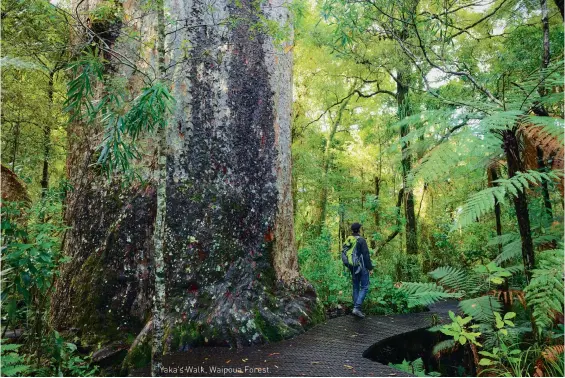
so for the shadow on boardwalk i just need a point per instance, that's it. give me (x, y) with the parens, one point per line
(333, 348)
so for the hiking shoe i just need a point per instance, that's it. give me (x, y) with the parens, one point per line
(358, 313)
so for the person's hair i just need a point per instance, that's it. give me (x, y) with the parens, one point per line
(355, 227)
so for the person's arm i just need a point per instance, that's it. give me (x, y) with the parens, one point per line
(367, 256)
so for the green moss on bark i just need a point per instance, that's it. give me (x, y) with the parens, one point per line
(270, 332)
(138, 357)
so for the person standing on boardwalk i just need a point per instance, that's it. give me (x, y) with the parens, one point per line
(355, 256)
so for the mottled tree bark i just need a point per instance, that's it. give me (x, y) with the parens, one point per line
(159, 246)
(230, 265)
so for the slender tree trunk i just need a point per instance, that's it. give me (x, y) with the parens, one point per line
(511, 148)
(403, 112)
(342, 232)
(323, 200)
(397, 229)
(497, 211)
(16, 145)
(493, 176)
(376, 213)
(47, 140)
(545, 29)
(160, 218)
(377, 196)
(294, 196)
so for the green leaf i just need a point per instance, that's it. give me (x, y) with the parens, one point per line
(485, 362)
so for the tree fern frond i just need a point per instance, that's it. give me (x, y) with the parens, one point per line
(509, 251)
(544, 293)
(545, 127)
(514, 248)
(479, 204)
(463, 152)
(442, 346)
(483, 202)
(481, 309)
(503, 239)
(425, 294)
(514, 269)
(456, 279)
(501, 120)
(552, 352)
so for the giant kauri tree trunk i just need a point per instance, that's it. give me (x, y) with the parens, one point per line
(231, 267)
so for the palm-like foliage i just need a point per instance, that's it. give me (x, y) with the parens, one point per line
(91, 99)
(483, 202)
(545, 291)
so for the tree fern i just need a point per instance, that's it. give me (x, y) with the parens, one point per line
(514, 247)
(547, 127)
(481, 309)
(425, 294)
(482, 202)
(501, 120)
(545, 291)
(464, 152)
(456, 279)
(503, 239)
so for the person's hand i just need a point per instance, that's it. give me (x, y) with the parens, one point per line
(371, 272)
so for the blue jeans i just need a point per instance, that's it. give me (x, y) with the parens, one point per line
(360, 287)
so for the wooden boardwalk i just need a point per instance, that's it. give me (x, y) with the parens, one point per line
(333, 348)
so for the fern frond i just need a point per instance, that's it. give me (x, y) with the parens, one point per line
(14, 370)
(501, 120)
(510, 251)
(453, 278)
(503, 239)
(443, 346)
(418, 365)
(514, 269)
(456, 279)
(481, 309)
(545, 290)
(11, 363)
(425, 294)
(479, 204)
(464, 152)
(552, 352)
(483, 202)
(545, 129)
(514, 248)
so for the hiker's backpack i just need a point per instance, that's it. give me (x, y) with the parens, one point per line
(350, 255)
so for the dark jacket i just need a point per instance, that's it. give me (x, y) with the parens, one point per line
(363, 250)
